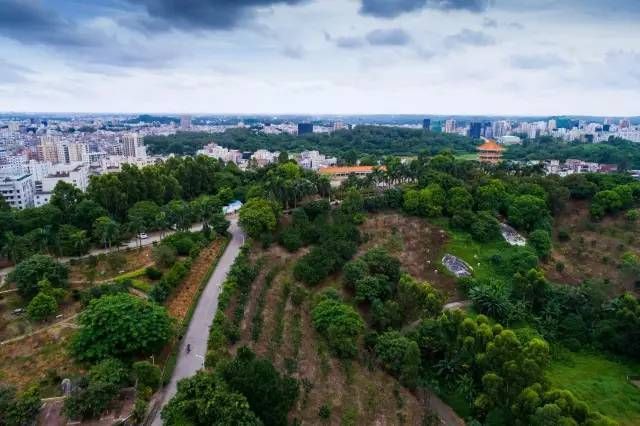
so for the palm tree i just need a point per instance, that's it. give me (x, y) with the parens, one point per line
(161, 223)
(11, 246)
(106, 229)
(80, 242)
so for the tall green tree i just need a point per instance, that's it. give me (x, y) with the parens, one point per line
(258, 216)
(106, 230)
(206, 400)
(121, 326)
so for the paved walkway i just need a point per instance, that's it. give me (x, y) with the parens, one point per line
(153, 237)
(198, 331)
(41, 330)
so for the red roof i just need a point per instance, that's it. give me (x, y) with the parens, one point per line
(490, 145)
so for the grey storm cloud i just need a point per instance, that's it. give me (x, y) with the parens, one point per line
(468, 37)
(393, 8)
(204, 14)
(536, 62)
(29, 22)
(390, 37)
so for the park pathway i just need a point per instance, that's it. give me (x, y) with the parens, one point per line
(198, 331)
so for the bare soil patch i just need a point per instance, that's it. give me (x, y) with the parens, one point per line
(31, 360)
(594, 250)
(106, 266)
(418, 244)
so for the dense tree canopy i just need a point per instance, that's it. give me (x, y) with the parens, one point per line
(204, 400)
(375, 140)
(30, 272)
(121, 326)
(339, 323)
(258, 216)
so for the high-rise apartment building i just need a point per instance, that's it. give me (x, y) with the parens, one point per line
(72, 153)
(132, 146)
(47, 150)
(185, 122)
(426, 124)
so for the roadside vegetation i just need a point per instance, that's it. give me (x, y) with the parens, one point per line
(338, 311)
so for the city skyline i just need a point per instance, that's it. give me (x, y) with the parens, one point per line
(461, 57)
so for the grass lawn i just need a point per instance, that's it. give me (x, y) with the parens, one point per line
(467, 157)
(600, 382)
(476, 254)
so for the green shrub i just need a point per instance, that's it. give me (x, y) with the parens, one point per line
(31, 271)
(90, 401)
(325, 412)
(339, 323)
(164, 255)
(147, 374)
(540, 241)
(153, 273)
(111, 371)
(19, 409)
(42, 307)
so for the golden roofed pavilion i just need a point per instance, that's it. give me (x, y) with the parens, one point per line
(490, 152)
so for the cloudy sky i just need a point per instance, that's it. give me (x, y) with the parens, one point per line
(321, 56)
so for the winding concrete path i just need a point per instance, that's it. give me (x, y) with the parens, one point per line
(198, 330)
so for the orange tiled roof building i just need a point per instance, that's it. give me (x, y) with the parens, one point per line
(490, 152)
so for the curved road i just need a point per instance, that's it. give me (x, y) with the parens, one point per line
(198, 331)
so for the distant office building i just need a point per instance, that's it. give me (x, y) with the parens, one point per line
(475, 130)
(224, 154)
(501, 128)
(450, 126)
(339, 125)
(132, 146)
(509, 140)
(314, 160)
(305, 128)
(17, 190)
(185, 122)
(262, 157)
(564, 123)
(426, 124)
